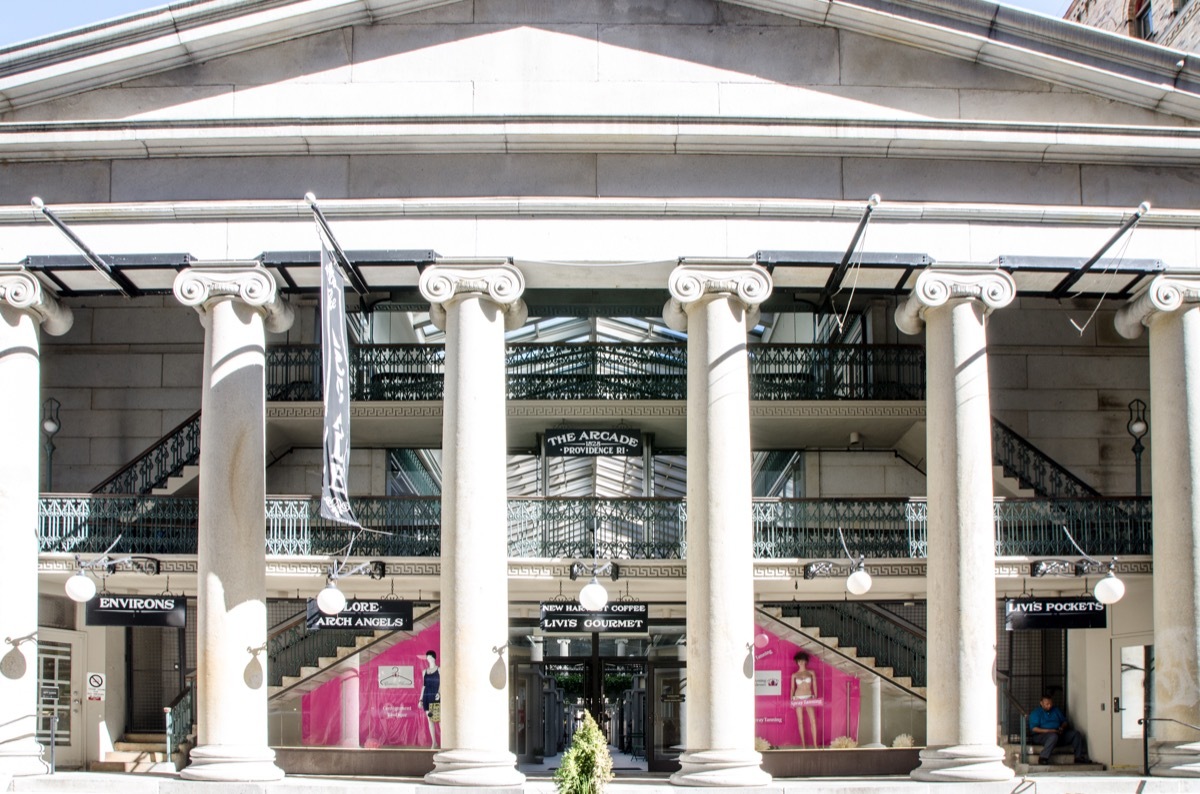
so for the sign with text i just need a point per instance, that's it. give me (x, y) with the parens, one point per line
(1069, 612)
(96, 686)
(564, 442)
(627, 617)
(388, 614)
(163, 611)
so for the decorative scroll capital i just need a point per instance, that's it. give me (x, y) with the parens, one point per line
(501, 283)
(248, 282)
(20, 289)
(1162, 294)
(689, 283)
(937, 287)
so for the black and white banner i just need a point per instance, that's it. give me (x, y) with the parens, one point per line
(388, 614)
(563, 442)
(1068, 612)
(335, 371)
(626, 617)
(163, 611)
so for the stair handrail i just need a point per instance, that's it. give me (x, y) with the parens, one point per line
(835, 651)
(142, 463)
(179, 715)
(888, 651)
(1033, 467)
(896, 620)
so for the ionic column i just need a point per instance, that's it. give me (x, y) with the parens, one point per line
(237, 303)
(870, 712)
(24, 305)
(351, 701)
(717, 305)
(1170, 308)
(474, 304)
(952, 306)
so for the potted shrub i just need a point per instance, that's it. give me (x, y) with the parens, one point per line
(586, 765)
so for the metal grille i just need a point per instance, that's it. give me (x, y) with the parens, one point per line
(1032, 662)
(154, 672)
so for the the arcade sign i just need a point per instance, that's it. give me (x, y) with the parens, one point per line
(569, 617)
(1071, 612)
(619, 441)
(387, 614)
(163, 611)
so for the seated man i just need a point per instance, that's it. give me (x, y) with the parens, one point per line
(1049, 727)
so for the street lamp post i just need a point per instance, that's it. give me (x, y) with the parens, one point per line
(50, 427)
(1137, 427)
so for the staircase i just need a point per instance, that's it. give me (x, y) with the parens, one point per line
(1062, 761)
(155, 467)
(141, 753)
(862, 657)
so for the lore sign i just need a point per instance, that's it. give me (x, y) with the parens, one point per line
(390, 614)
(627, 617)
(1069, 612)
(618, 441)
(164, 611)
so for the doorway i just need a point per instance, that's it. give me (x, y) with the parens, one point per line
(667, 715)
(1132, 671)
(60, 693)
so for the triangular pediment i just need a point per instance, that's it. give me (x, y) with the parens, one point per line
(674, 58)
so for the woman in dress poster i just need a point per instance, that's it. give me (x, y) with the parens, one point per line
(805, 698)
(431, 695)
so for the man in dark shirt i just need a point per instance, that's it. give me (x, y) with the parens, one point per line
(1048, 726)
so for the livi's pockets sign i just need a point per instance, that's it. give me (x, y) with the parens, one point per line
(1066, 612)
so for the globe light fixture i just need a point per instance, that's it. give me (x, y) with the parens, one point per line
(80, 587)
(858, 582)
(593, 597)
(1109, 590)
(331, 600)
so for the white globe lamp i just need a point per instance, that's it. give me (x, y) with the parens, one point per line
(1110, 589)
(80, 587)
(858, 582)
(331, 600)
(593, 596)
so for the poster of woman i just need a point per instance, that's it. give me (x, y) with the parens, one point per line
(801, 701)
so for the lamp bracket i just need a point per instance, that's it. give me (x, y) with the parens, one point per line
(820, 568)
(1082, 567)
(609, 569)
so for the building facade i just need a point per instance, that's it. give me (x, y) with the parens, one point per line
(1170, 23)
(717, 304)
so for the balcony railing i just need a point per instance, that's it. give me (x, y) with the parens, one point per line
(601, 371)
(624, 528)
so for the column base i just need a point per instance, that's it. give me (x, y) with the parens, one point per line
(232, 764)
(1177, 760)
(474, 768)
(721, 768)
(22, 758)
(962, 763)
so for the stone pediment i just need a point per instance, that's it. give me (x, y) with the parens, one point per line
(792, 60)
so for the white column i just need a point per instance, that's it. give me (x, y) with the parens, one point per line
(716, 305)
(1170, 308)
(24, 305)
(237, 302)
(870, 712)
(351, 701)
(952, 305)
(474, 304)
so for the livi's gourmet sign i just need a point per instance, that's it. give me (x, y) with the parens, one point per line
(390, 614)
(562, 442)
(164, 611)
(1072, 612)
(625, 617)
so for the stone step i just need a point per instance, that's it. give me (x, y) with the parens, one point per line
(135, 755)
(145, 737)
(127, 767)
(140, 747)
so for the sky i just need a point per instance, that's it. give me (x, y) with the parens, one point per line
(21, 20)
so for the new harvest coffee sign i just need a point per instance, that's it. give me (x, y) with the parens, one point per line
(629, 617)
(1071, 612)
(618, 441)
(390, 614)
(164, 611)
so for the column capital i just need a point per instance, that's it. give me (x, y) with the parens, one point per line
(502, 283)
(1162, 294)
(249, 282)
(938, 286)
(20, 289)
(691, 282)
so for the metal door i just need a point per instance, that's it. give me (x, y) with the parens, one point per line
(60, 670)
(666, 715)
(1130, 678)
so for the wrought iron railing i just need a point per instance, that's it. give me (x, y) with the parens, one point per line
(603, 371)
(1034, 468)
(179, 716)
(291, 647)
(837, 372)
(164, 459)
(868, 632)
(624, 528)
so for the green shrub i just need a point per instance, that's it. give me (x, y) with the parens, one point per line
(586, 765)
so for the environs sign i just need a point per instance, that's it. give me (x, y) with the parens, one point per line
(626, 617)
(389, 614)
(564, 442)
(1070, 612)
(164, 611)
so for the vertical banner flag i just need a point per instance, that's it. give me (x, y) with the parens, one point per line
(335, 371)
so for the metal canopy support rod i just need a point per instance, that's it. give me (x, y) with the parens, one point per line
(352, 274)
(1061, 290)
(835, 278)
(117, 279)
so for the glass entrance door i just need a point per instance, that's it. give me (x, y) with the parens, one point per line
(60, 671)
(666, 719)
(1131, 674)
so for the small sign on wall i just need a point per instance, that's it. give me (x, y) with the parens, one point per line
(95, 686)
(768, 682)
(397, 677)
